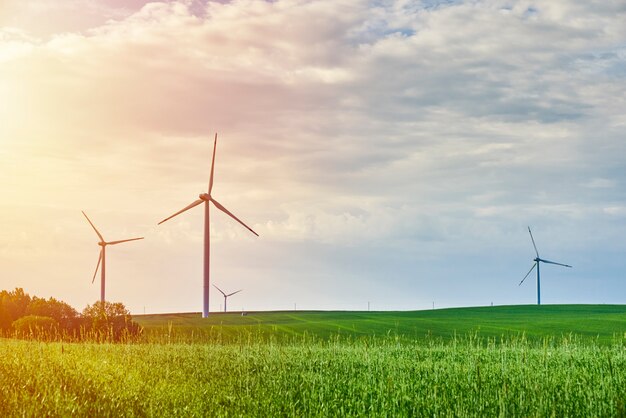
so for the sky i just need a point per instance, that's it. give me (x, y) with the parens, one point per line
(390, 152)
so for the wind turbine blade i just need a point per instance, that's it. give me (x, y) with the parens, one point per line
(212, 164)
(97, 267)
(223, 209)
(230, 294)
(531, 269)
(196, 203)
(533, 240)
(94, 228)
(220, 291)
(558, 264)
(123, 240)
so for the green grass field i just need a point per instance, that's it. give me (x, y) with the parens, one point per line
(521, 361)
(600, 323)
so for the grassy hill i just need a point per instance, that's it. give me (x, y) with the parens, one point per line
(601, 323)
(291, 364)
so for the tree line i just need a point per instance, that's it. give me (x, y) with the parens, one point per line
(24, 316)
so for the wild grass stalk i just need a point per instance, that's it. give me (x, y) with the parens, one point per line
(342, 376)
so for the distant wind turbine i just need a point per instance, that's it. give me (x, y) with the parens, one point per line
(102, 257)
(226, 296)
(207, 198)
(537, 261)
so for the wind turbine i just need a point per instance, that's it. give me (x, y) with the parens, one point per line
(226, 295)
(102, 257)
(537, 261)
(207, 198)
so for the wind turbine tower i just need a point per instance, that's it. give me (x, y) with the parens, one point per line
(102, 257)
(226, 296)
(538, 260)
(207, 199)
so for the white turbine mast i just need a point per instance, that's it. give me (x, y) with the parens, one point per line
(207, 199)
(538, 260)
(226, 296)
(102, 257)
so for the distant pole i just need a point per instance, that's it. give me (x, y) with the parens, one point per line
(295, 308)
(144, 310)
(368, 306)
(433, 304)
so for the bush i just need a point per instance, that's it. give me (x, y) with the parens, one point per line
(36, 317)
(110, 321)
(36, 326)
(64, 314)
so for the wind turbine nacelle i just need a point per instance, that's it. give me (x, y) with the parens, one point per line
(205, 196)
(102, 244)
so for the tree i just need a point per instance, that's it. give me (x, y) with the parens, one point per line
(66, 316)
(38, 316)
(109, 320)
(13, 306)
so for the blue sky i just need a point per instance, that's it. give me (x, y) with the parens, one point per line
(392, 152)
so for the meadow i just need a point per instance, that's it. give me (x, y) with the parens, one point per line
(347, 364)
(598, 324)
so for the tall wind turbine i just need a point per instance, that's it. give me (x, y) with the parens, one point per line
(207, 198)
(226, 296)
(537, 261)
(102, 257)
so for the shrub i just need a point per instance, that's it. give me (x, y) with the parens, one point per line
(36, 326)
(64, 314)
(110, 321)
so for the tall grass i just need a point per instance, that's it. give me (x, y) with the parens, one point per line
(339, 376)
(82, 334)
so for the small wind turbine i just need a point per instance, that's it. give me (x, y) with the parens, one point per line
(102, 257)
(226, 296)
(537, 261)
(207, 198)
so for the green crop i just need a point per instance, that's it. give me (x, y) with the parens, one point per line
(338, 377)
(520, 361)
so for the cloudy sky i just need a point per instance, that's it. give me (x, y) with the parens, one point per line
(385, 151)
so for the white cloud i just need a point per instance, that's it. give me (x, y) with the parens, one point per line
(414, 127)
(600, 183)
(615, 211)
